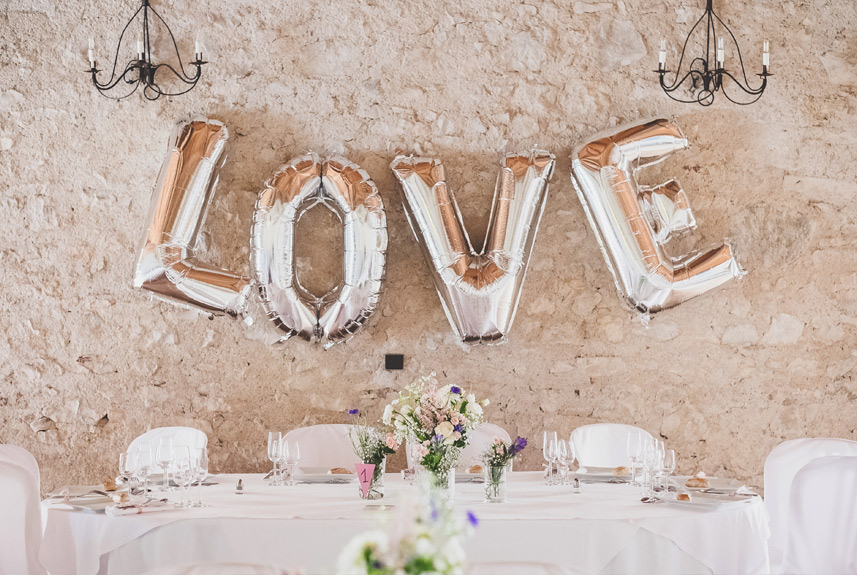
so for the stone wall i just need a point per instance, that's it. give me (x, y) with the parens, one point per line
(86, 363)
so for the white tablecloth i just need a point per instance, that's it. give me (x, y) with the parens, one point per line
(605, 529)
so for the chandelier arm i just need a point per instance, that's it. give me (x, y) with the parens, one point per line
(175, 45)
(114, 81)
(106, 95)
(683, 49)
(192, 80)
(119, 47)
(756, 93)
(674, 87)
(737, 48)
(746, 89)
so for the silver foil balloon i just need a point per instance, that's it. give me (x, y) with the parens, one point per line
(347, 190)
(166, 264)
(479, 290)
(632, 223)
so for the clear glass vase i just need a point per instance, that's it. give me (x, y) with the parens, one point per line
(376, 486)
(495, 483)
(439, 485)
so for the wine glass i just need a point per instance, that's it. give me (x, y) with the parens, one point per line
(549, 453)
(634, 451)
(275, 441)
(562, 461)
(572, 453)
(200, 457)
(165, 458)
(650, 458)
(182, 472)
(669, 467)
(292, 456)
(144, 465)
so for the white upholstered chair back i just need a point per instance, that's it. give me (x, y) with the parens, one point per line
(20, 514)
(821, 537)
(219, 569)
(481, 437)
(604, 444)
(193, 438)
(781, 465)
(326, 445)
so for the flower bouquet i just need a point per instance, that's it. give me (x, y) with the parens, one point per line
(438, 420)
(418, 540)
(371, 445)
(497, 460)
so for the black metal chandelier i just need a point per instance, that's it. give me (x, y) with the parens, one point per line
(702, 80)
(142, 69)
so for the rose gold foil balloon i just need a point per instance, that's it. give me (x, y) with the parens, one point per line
(346, 190)
(479, 290)
(632, 223)
(167, 265)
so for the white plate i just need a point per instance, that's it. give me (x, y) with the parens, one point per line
(469, 477)
(320, 475)
(706, 501)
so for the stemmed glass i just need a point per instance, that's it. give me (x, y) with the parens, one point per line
(668, 468)
(144, 465)
(183, 474)
(275, 446)
(562, 461)
(549, 453)
(200, 458)
(634, 450)
(292, 456)
(165, 458)
(650, 464)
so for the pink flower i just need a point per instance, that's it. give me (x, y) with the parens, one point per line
(498, 441)
(391, 441)
(423, 451)
(456, 435)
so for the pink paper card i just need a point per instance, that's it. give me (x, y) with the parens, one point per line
(364, 474)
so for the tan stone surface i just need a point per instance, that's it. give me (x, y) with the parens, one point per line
(86, 363)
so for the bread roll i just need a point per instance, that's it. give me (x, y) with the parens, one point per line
(339, 471)
(683, 497)
(622, 471)
(697, 481)
(474, 469)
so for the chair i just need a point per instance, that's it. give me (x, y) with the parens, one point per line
(516, 568)
(20, 519)
(23, 458)
(781, 465)
(193, 438)
(604, 444)
(821, 538)
(481, 437)
(324, 446)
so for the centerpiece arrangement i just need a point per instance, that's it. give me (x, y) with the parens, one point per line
(418, 540)
(497, 459)
(372, 445)
(437, 421)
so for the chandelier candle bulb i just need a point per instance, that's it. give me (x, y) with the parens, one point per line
(140, 48)
(662, 56)
(720, 52)
(197, 49)
(91, 52)
(766, 56)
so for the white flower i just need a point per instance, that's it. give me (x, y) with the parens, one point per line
(388, 415)
(445, 429)
(486, 402)
(351, 560)
(406, 409)
(474, 409)
(471, 398)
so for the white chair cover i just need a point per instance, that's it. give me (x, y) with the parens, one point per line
(784, 461)
(481, 437)
(219, 569)
(23, 458)
(20, 521)
(324, 446)
(822, 530)
(193, 438)
(516, 568)
(604, 444)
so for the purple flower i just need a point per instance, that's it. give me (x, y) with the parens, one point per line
(459, 428)
(455, 389)
(472, 519)
(518, 446)
(353, 412)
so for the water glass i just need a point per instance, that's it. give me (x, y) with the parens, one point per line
(634, 451)
(549, 454)
(275, 446)
(562, 461)
(183, 475)
(144, 464)
(165, 458)
(200, 458)
(292, 456)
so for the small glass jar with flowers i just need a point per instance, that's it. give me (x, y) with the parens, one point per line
(371, 445)
(497, 461)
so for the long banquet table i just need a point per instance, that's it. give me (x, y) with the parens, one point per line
(605, 529)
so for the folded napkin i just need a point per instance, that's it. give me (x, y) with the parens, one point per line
(135, 509)
(744, 490)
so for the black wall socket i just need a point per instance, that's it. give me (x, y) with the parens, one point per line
(394, 361)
